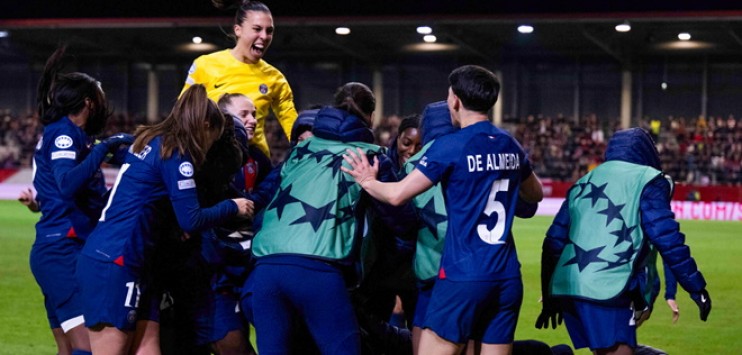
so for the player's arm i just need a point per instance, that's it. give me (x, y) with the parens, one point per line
(393, 193)
(531, 189)
(284, 108)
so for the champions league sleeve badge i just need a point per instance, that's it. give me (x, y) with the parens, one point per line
(263, 89)
(186, 169)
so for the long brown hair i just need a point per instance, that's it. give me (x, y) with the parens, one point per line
(193, 124)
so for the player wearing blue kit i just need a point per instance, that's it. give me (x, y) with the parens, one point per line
(483, 171)
(311, 233)
(70, 191)
(161, 163)
(598, 260)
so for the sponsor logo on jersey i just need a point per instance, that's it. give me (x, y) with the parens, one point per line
(63, 142)
(64, 154)
(186, 184)
(143, 153)
(216, 86)
(263, 89)
(186, 169)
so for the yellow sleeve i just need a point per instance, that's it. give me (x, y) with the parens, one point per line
(284, 108)
(196, 75)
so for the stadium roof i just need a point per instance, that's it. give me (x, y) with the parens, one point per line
(380, 31)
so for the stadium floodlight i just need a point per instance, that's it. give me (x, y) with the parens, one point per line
(343, 31)
(525, 29)
(430, 39)
(664, 85)
(197, 40)
(4, 34)
(623, 27)
(424, 30)
(684, 36)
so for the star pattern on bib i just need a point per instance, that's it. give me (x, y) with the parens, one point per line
(282, 199)
(583, 257)
(315, 216)
(432, 218)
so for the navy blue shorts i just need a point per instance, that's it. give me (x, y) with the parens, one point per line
(423, 299)
(598, 326)
(218, 317)
(53, 265)
(318, 295)
(112, 293)
(485, 311)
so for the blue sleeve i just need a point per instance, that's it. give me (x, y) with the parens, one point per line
(401, 220)
(262, 194)
(436, 160)
(663, 231)
(177, 174)
(671, 285)
(557, 237)
(70, 175)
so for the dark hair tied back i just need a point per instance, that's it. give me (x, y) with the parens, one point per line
(60, 94)
(356, 98)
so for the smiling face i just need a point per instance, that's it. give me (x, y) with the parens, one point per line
(408, 144)
(244, 109)
(254, 36)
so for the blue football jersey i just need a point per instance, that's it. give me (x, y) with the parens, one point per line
(481, 168)
(70, 187)
(124, 233)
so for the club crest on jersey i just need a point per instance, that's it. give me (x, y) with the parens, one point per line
(186, 169)
(263, 89)
(63, 142)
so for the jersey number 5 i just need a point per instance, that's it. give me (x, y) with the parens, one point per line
(493, 206)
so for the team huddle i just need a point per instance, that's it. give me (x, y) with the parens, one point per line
(200, 237)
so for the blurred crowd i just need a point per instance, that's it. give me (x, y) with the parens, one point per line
(700, 151)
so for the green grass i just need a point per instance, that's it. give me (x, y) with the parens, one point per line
(714, 245)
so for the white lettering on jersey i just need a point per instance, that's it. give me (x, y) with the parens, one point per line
(186, 169)
(143, 153)
(495, 161)
(186, 184)
(63, 142)
(64, 154)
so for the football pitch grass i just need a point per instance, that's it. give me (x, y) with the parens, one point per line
(714, 245)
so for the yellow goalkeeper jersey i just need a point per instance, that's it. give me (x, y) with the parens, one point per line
(265, 85)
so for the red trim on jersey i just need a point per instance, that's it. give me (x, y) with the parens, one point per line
(71, 233)
(250, 171)
(442, 274)
(119, 261)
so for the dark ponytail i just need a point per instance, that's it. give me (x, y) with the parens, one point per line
(61, 94)
(242, 6)
(357, 99)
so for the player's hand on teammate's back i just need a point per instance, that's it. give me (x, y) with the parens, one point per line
(362, 170)
(245, 207)
(550, 311)
(703, 301)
